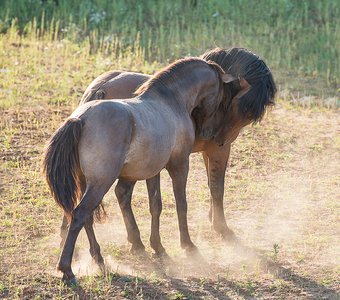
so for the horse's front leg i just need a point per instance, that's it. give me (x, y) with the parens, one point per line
(123, 192)
(178, 170)
(216, 159)
(155, 206)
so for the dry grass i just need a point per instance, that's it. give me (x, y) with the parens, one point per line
(282, 189)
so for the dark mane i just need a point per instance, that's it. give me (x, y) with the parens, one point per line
(240, 62)
(162, 80)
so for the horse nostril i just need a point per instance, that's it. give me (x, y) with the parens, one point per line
(221, 144)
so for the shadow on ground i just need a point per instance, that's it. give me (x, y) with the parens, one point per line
(158, 284)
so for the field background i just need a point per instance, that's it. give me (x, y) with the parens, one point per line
(282, 185)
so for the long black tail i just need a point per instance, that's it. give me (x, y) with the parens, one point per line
(61, 165)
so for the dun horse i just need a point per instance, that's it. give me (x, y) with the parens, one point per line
(250, 95)
(132, 140)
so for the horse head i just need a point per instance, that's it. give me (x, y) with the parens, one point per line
(207, 114)
(246, 97)
(232, 119)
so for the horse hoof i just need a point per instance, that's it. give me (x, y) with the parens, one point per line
(192, 250)
(162, 256)
(102, 268)
(230, 237)
(138, 250)
(70, 282)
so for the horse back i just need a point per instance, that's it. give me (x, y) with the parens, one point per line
(114, 85)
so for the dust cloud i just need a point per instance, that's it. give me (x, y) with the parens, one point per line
(282, 225)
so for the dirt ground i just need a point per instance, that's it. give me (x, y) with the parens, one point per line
(281, 199)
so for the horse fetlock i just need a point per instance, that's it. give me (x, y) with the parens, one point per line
(95, 251)
(98, 258)
(63, 267)
(191, 251)
(137, 248)
(160, 252)
(133, 237)
(220, 225)
(224, 231)
(156, 245)
(68, 276)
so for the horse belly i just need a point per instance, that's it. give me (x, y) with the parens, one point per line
(145, 160)
(142, 168)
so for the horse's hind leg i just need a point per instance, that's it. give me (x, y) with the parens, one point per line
(81, 214)
(94, 246)
(155, 206)
(123, 192)
(63, 231)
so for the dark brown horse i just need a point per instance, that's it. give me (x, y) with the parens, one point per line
(250, 95)
(132, 139)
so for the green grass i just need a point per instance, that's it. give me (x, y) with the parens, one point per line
(300, 36)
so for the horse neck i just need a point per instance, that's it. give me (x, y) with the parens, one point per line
(184, 90)
(205, 80)
(188, 89)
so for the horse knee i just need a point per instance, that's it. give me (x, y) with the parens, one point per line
(156, 208)
(79, 218)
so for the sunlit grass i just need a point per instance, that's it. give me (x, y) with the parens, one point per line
(302, 36)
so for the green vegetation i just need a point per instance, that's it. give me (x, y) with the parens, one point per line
(300, 36)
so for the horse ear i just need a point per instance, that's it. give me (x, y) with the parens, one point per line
(245, 87)
(228, 78)
(244, 84)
